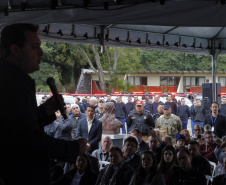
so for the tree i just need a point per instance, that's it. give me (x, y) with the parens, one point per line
(99, 71)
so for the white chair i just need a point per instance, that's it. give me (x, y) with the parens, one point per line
(218, 169)
(213, 167)
(102, 164)
(208, 179)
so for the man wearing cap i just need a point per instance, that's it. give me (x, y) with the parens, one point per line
(180, 142)
(168, 123)
(100, 109)
(140, 119)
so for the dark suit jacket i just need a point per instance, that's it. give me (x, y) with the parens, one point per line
(143, 146)
(218, 180)
(25, 148)
(88, 178)
(94, 135)
(219, 125)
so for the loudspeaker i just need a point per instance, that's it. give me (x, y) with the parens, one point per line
(207, 95)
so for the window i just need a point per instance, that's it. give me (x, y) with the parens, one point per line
(137, 80)
(169, 80)
(222, 80)
(193, 81)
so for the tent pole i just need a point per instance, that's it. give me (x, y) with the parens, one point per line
(213, 56)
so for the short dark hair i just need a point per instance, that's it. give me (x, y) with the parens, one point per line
(161, 104)
(136, 130)
(215, 103)
(131, 139)
(116, 149)
(15, 34)
(183, 149)
(78, 98)
(91, 106)
(207, 132)
(194, 143)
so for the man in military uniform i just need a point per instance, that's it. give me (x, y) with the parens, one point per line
(169, 124)
(139, 118)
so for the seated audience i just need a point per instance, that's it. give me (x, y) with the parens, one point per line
(81, 174)
(197, 136)
(148, 171)
(207, 148)
(142, 145)
(187, 135)
(168, 140)
(198, 162)
(188, 175)
(180, 142)
(220, 179)
(220, 153)
(167, 165)
(131, 158)
(117, 172)
(102, 154)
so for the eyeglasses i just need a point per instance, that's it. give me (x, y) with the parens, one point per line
(197, 129)
(210, 137)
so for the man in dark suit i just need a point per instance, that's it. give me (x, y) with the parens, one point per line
(25, 148)
(142, 145)
(90, 128)
(215, 120)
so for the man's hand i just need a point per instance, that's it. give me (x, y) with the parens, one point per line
(50, 105)
(82, 146)
(88, 147)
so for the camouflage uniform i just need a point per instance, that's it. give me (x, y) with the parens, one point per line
(169, 126)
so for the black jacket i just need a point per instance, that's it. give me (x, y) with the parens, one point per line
(124, 176)
(120, 112)
(183, 112)
(202, 164)
(191, 177)
(25, 148)
(219, 124)
(219, 179)
(134, 162)
(199, 114)
(88, 178)
(140, 121)
(143, 146)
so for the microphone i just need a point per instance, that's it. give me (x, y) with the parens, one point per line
(51, 83)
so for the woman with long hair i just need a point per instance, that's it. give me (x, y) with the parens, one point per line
(81, 174)
(167, 165)
(187, 135)
(148, 173)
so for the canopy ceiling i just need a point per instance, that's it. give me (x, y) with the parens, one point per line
(193, 26)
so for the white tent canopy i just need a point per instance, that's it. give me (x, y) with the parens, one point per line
(192, 26)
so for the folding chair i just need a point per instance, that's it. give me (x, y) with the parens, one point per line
(102, 164)
(213, 167)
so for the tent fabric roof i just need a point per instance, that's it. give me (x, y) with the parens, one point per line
(90, 71)
(178, 25)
